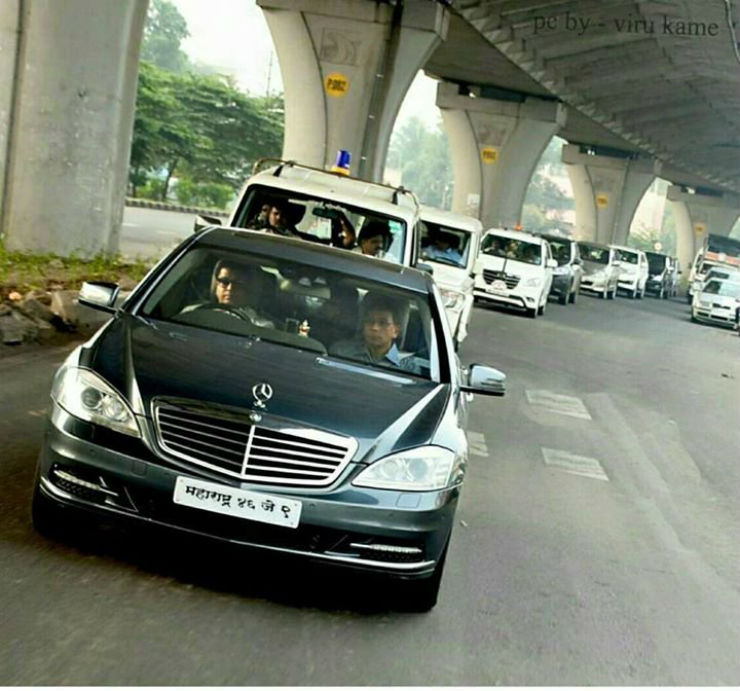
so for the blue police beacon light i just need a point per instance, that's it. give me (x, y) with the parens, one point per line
(341, 165)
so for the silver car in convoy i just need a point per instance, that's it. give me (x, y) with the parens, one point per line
(600, 269)
(567, 275)
(717, 302)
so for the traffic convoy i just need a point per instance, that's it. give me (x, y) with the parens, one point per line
(290, 383)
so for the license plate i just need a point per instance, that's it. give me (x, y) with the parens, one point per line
(498, 287)
(231, 501)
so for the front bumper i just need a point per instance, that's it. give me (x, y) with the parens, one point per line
(381, 531)
(714, 315)
(628, 283)
(595, 285)
(523, 297)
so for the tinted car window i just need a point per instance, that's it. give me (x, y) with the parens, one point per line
(443, 244)
(560, 250)
(519, 250)
(629, 257)
(322, 220)
(725, 288)
(590, 253)
(299, 306)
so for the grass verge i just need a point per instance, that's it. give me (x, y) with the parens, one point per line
(23, 271)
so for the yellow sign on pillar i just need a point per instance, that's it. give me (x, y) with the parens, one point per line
(336, 85)
(489, 154)
(700, 227)
(602, 200)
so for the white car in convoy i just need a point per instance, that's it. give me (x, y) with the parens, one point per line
(600, 269)
(716, 302)
(633, 270)
(449, 244)
(514, 268)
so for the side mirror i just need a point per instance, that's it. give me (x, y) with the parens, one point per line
(485, 380)
(203, 221)
(422, 266)
(577, 261)
(551, 264)
(100, 295)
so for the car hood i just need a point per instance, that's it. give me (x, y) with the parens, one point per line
(724, 300)
(593, 267)
(451, 277)
(383, 410)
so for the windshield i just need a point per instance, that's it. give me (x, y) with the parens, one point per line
(656, 262)
(519, 250)
(325, 221)
(627, 256)
(445, 245)
(560, 250)
(300, 307)
(725, 245)
(592, 253)
(730, 289)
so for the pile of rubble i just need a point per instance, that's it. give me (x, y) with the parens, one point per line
(40, 316)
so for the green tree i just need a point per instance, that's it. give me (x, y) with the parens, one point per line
(164, 31)
(423, 157)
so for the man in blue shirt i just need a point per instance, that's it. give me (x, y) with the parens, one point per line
(381, 326)
(443, 249)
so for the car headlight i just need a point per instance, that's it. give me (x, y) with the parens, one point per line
(416, 470)
(452, 299)
(87, 396)
(532, 282)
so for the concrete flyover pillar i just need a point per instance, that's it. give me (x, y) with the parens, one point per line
(607, 190)
(9, 33)
(495, 146)
(697, 214)
(68, 144)
(346, 68)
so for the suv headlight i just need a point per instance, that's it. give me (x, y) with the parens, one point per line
(532, 282)
(452, 299)
(87, 396)
(421, 469)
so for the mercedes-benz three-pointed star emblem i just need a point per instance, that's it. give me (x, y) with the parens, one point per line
(262, 393)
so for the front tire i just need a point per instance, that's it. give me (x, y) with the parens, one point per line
(421, 595)
(541, 309)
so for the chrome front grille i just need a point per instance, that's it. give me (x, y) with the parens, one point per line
(230, 444)
(490, 276)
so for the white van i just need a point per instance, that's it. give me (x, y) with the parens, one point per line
(449, 244)
(329, 208)
(514, 268)
(633, 270)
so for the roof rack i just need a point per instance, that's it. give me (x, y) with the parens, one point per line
(263, 163)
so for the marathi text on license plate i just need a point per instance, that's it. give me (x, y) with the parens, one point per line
(232, 501)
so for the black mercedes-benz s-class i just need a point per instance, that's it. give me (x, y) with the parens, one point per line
(274, 393)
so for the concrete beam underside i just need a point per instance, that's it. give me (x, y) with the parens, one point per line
(346, 74)
(495, 146)
(71, 125)
(607, 191)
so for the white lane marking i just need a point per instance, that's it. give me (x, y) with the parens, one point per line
(477, 444)
(130, 225)
(576, 465)
(558, 403)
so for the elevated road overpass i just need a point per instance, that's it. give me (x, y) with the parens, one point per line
(638, 89)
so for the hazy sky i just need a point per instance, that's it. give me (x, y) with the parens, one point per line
(232, 35)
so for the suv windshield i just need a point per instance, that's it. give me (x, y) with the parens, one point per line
(325, 221)
(730, 289)
(560, 250)
(591, 253)
(519, 250)
(299, 306)
(627, 256)
(444, 244)
(656, 262)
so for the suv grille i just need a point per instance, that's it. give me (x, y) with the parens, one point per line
(491, 276)
(230, 444)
